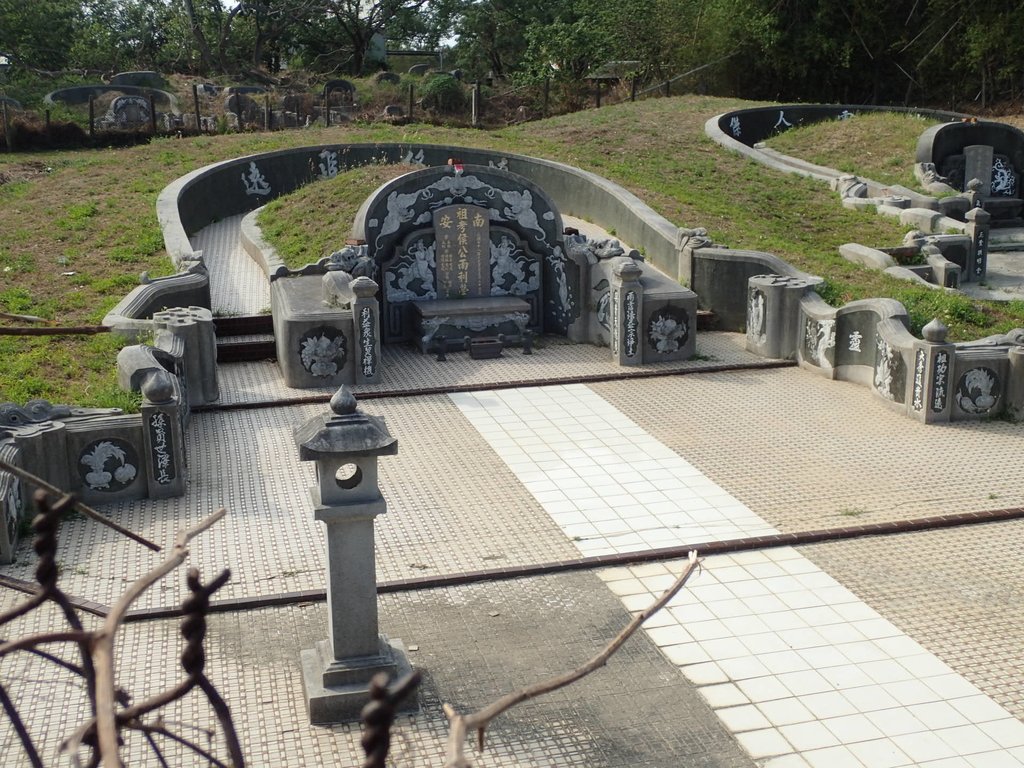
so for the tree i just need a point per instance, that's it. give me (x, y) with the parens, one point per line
(354, 23)
(492, 33)
(37, 33)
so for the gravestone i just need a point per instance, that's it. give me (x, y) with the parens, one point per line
(978, 165)
(462, 237)
(387, 77)
(419, 69)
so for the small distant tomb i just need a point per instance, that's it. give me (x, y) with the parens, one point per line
(982, 160)
(128, 113)
(339, 93)
(143, 79)
(240, 107)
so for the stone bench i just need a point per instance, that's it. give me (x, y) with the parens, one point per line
(456, 319)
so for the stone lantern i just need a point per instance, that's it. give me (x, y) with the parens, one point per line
(345, 445)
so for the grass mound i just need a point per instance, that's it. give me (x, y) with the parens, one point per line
(876, 145)
(80, 225)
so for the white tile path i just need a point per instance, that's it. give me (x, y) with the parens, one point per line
(796, 666)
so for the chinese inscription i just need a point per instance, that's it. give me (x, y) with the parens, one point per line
(630, 323)
(463, 252)
(255, 182)
(854, 341)
(163, 463)
(939, 376)
(920, 360)
(734, 126)
(328, 164)
(366, 341)
(980, 250)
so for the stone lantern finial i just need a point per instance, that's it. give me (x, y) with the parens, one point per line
(343, 403)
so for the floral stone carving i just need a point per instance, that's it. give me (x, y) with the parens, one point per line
(322, 352)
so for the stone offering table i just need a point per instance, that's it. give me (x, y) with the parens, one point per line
(456, 319)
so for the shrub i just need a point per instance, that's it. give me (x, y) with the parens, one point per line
(443, 93)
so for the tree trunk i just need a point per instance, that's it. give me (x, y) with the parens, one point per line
(205, 57)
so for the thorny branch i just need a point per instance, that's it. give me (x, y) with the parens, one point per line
(38, 482)
(103, 730)
(461, 725)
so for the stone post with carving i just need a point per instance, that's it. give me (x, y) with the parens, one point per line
(977, 228)
(162, 436)
(627, 296)
(930, 391)
(345, 444)
(366, 321)
(773, 314)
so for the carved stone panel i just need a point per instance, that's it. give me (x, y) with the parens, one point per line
(463, 242)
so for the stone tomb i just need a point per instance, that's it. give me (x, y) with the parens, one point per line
(468, 252)
(951, 156)
(454, 252)
(128, 112)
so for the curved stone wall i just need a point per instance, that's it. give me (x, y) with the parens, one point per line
(80, 94)
(748, 127)
(240, 185)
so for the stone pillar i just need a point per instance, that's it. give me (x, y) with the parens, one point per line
(773, 314)
(1015, 384)
(366, 321)
(930, 395)
(194, 325)
(626, 310)
(162, 435)
(977, 229)
(345, 445)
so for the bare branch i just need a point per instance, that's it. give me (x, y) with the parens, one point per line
(162, 731)
(19, 727)
(103, 640)
(30, 641)
(86, 510)
(460, 725)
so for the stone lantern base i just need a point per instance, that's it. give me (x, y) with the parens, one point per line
(338, 689)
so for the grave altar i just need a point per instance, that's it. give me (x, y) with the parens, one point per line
(454, 256)
(469, 252)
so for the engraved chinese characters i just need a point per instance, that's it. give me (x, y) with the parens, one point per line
(462, 248)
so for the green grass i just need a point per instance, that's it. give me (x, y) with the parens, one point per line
(315, 221)
(93, 213)
(878, 146)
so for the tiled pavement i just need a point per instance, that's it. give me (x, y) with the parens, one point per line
(892, 651)
(449, 481)
(795, 664)
(237, 284)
